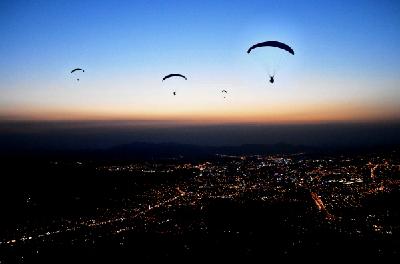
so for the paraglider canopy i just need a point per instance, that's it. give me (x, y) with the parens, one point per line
(272, 43)
(77, 69)
(174, 75)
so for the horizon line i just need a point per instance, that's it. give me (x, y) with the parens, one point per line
(202, 122)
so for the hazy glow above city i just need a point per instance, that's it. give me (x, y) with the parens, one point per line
(345, 67)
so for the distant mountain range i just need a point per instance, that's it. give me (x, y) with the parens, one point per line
(159, 151)
(148, 151)
(172, 150)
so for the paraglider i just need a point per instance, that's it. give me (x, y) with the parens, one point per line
(77, 69)
(273, 44)
(174, 75)
(224, 91)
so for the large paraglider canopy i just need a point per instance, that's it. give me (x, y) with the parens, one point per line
(174, 75)
(272, 43)
(271, 58)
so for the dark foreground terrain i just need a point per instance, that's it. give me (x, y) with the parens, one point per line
(225, 206)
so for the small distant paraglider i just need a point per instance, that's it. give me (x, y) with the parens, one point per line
(77, 69)
(173, 75)
(225, 92)
(274, 44)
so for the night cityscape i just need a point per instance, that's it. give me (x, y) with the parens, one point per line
(229, 205)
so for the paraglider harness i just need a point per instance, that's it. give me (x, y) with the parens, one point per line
(271, 79)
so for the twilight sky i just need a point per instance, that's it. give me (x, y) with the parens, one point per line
(346, 67)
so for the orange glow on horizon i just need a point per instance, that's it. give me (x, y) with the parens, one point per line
(245, 114)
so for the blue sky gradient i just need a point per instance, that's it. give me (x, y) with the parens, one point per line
(347, 59)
